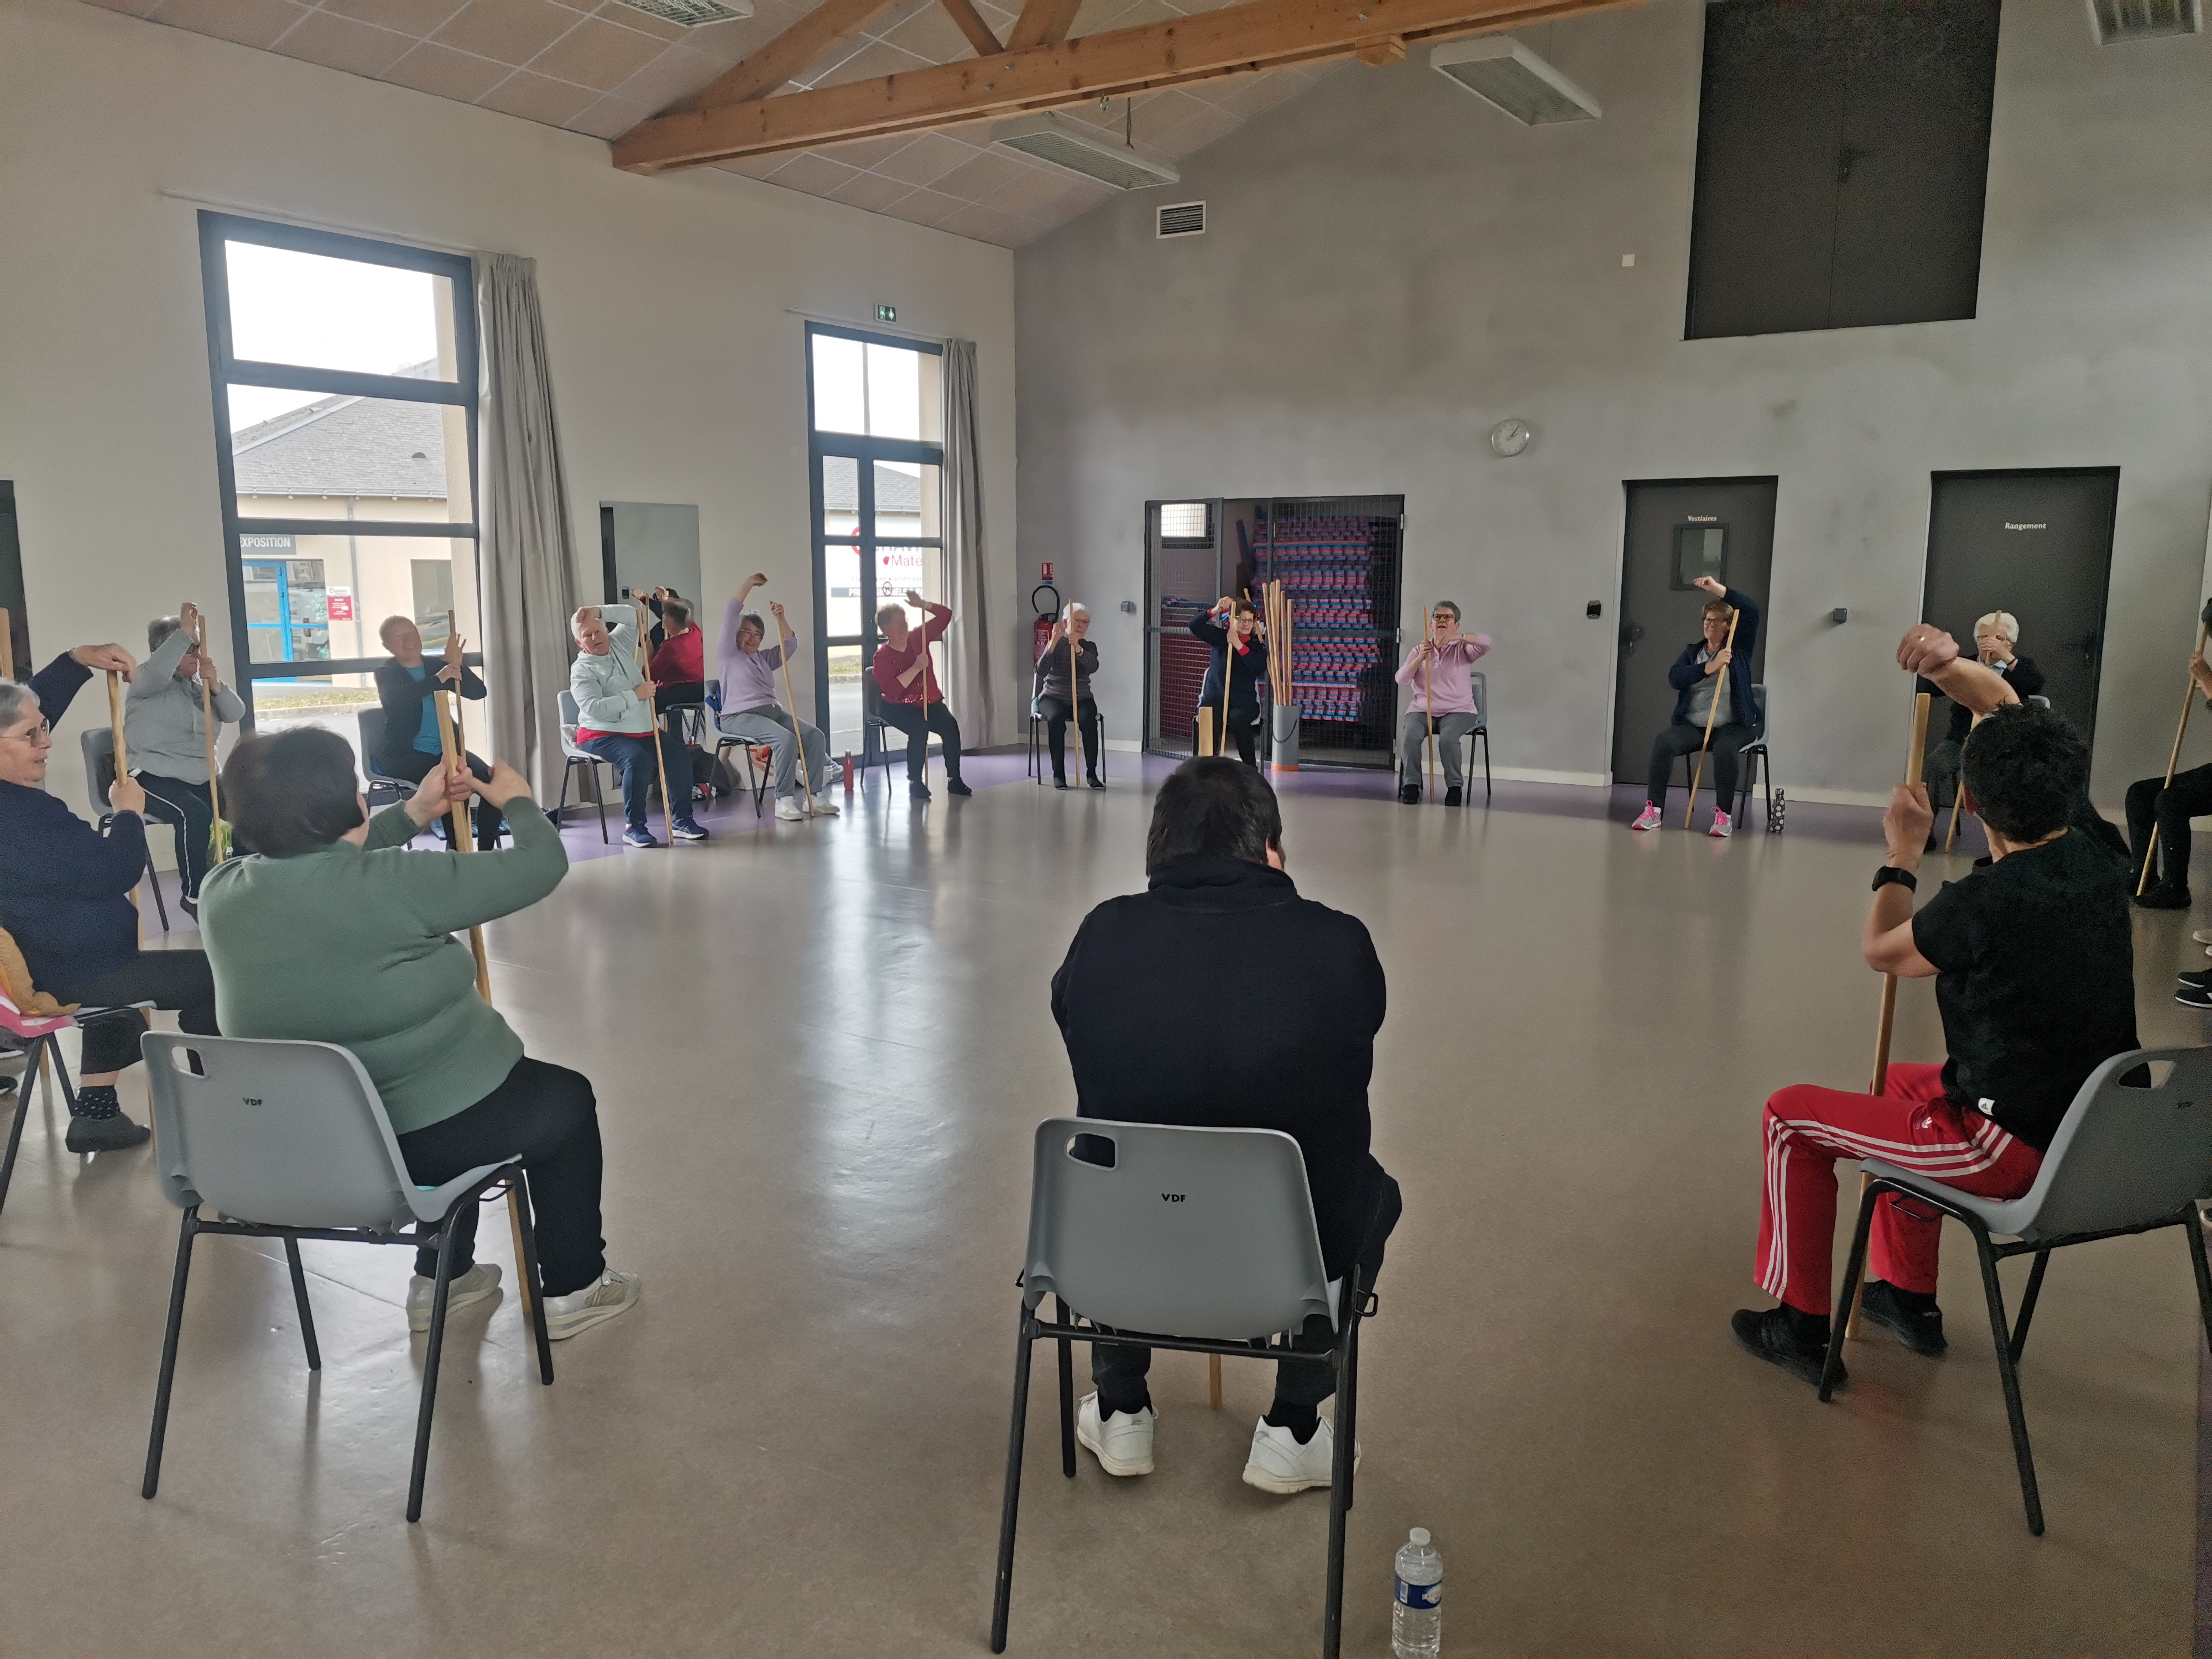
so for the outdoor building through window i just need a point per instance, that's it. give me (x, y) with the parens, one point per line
(877, 463)
(345, 380)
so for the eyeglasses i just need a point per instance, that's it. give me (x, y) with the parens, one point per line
(39, 736)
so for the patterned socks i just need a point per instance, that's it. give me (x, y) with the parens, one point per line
(97, 1103)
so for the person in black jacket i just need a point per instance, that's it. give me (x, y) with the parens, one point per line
(1709, 670)
(1132, 1002)
(411, 744)
(1997, 644)
(1240, 649)
(65, 899)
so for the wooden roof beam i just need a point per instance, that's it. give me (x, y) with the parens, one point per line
(1239, 39)
(971, 24)
(805, 43)
(1042, 23)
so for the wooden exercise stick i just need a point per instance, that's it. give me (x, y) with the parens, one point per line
(2173, 760)
(7, 645)
(1914, 757)
(122, 759)
(1074, 690)
(1958, 791)
(1204, 730)
(1429, 701)
(805, 783)
(1713, 708)
(653, 706)
(207, 718)
(1228, 675)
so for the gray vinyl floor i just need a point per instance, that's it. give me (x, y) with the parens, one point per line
(820, 1050)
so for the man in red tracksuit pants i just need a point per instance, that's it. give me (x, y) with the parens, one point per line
(2034, 979)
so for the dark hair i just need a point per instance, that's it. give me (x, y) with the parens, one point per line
(675, 613)
(2026, 768)
(159, 630)
(292, 792)
(1212, 808)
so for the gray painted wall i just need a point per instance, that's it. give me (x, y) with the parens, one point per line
(1391, 266)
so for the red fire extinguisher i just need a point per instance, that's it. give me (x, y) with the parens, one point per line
(1040, 629)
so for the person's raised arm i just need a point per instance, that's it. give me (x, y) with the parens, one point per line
(1934, 655)
(453, 891)
(1887, 940)
(785, 639)
(160, 668)
(1409, 672)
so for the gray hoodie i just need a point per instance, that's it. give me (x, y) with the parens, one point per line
(163, 727)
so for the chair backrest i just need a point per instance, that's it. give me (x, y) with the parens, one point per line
(571, 718)
(872, 697)
(370, 724)
(1480, 682)
(2040, 700)
(1759, 713)
(2124, 1155)
(98, 744)
(1188, 1232)
(288, 1134)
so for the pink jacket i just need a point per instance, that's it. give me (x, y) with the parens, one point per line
(1447, 675)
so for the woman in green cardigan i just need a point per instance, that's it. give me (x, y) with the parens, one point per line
(331, 931)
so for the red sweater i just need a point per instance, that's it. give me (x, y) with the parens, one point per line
(682, 660)
(890, 664)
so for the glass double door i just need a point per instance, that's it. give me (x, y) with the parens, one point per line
(877, 508)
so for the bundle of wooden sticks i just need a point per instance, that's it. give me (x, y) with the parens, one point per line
(1276, 613)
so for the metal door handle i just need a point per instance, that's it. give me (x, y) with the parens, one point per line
(2089, 652)
(1629, 636)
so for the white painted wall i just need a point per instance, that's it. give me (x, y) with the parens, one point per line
(670, 305)
(1391, 267)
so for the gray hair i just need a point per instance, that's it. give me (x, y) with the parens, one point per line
(1446, 604)
(159, 630)
(2003, 621)
(752, 619)
(15, 701)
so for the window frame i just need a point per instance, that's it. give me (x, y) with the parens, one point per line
(864, 452)
(226, 369)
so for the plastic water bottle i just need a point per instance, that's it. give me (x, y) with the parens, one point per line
(1417, 1619)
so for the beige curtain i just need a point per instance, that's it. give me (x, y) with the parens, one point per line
(970, 683)
(528, 566)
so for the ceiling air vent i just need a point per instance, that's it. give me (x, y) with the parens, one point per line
(1183, 219)
(2144, 19)
(1500, 70)
(689, 14)
(1070, 145)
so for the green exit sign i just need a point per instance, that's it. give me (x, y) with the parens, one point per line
(887, 313)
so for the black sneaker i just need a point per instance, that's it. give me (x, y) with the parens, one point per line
(1773, 1336)
(2164, 897)
(955, 786)
(190, 906)
(2197, 981)
(1409, 795)
(2194, 996)
(106, 1134)
(1453, 796)
(917, 791)
(1094, 780)
(1058, 782)
(1912, 1319)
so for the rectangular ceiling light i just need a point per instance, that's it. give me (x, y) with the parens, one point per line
(1500, 70)
(1071, 145)
(2143, 19)
(690, 13)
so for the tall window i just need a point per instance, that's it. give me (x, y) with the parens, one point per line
(345, 389)
(877, 455)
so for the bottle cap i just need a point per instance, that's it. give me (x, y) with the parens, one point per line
(1420, 1535)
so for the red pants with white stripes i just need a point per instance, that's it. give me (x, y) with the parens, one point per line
(1909, 1124)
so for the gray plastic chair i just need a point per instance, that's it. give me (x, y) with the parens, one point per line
(384, 789)
(1754, 759)
(1478, 682)
(2130, 1155)
(1206, 1237)
(97, 744)
(757, 780)
(571, 717)
(289, 1140)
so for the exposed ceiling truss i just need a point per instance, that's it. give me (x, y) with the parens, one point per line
(1037, 67)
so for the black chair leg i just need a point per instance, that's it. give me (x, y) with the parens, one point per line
(1848, 1296)
(15, 1128)
(1485, 766)
(300, 1300)
(1067, 1396)
(439, 1287)
(599, 798)
(533, 1286)
(154, 880)
(1339, 1503)
(1347, 1413)
(1002, 1596)
(2028, 1304)
(2193, 1226)
(2013, 1412)
(186, 1230)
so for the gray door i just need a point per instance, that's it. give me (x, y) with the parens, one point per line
(1677, 529)
(2038, 544)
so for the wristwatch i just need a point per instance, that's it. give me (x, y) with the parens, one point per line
(1890, 872)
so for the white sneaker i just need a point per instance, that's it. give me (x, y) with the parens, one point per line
(1279, 1464)
(1123, 1446)
(826, 802)
(1648, 819)
(616, 1292)
(788, 809)
(1722, 828)
(479, 1284)
(2202, 936)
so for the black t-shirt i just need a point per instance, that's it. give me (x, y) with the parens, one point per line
(2036, 980)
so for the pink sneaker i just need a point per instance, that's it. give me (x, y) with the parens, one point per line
(1649, 820)
(1722, 828)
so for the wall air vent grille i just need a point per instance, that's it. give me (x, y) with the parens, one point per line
(689, 14)
(2144, 19)
(1183, 219)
